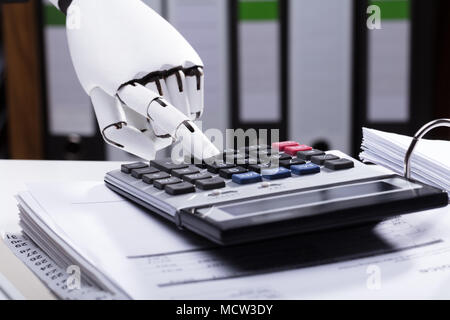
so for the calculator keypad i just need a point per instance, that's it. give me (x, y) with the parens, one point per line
(249, 165)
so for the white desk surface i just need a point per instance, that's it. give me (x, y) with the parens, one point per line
(13, 178)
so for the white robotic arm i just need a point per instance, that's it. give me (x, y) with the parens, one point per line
(145, 80)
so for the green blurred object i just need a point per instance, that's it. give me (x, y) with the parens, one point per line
(53, 17)
(393, 9)
(258, 10)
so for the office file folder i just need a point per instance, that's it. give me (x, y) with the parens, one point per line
(389, 63)
(258, 64)
(320, 75)
(394, 67)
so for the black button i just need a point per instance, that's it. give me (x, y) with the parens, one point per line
(126, 168)
(201, 165)
(228, 173)
(340, 164)
(138, 173)
(293, 162)
(210, 184)
(250, 161)
(161, 184)
(199, 176)
(234, 158)
(150, 178)
(180, 188)
(167, 165)
(280, 157)
(266, 156)
(320, 160)
(179, 173)
(217, 166)
(307, 155)
(255, 149)
(259, 167)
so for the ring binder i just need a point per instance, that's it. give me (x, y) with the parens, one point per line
(419, 135)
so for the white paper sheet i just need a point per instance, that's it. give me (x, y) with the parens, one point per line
(149, 258)
(55, 277)
(430, 162)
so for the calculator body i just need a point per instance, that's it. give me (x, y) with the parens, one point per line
(269, 208)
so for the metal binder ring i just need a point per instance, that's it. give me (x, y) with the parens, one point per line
(419, 135)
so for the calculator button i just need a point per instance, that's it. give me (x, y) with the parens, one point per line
(138, 173)
(341, 164)
(228, 173)
(256, 149)
(293, 162)
(192, 178)
(259, 167)
(305, 169)
(180, 188)
(231, 153)
(217, 166)
(247, 178)
(150, 178)
(281, 146)
(296, 149)
(280, 157)
(210, 184)
(276, 173)
(161, 184)
(320, 160)
(307, 155)
(126, 168)
(234, 158)
(167, 165)
(179, 173)
(265, 155)
(201, 165)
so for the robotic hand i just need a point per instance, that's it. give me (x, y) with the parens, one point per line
(145, 80)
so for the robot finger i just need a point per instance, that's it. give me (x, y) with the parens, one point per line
(176, 84)
(169, 119)
(154, 88)
(195, 84)
(118, 132)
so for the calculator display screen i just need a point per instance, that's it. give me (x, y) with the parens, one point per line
(306, 198)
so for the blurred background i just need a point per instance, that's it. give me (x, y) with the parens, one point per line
(311, 68)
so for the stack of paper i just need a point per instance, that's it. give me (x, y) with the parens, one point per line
(130, 253)
(430, 162)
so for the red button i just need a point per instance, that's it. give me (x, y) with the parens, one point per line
(283, 145)
(292, 151)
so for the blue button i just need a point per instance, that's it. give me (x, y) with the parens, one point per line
(247, 178)
(304, 169)
(276, 173)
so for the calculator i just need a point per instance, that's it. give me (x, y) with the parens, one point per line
(263, 192)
